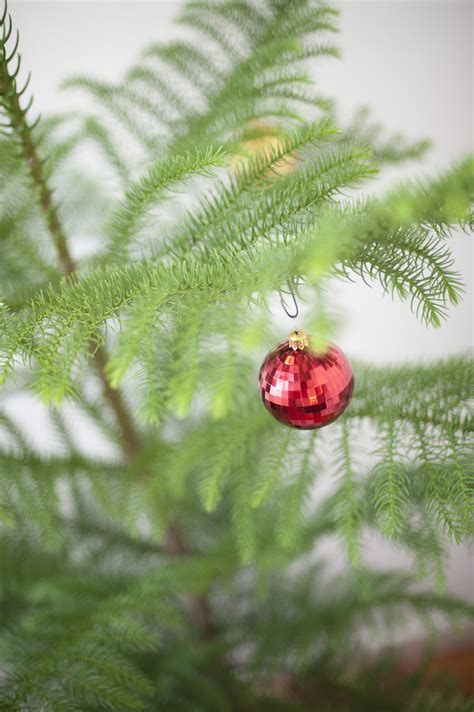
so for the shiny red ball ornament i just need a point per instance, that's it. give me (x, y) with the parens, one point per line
(303, 389)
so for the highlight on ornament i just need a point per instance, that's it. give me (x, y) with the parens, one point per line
(302, 388)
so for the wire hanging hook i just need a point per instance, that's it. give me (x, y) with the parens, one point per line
(283, 303)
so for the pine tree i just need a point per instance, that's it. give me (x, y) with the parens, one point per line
(178, 571)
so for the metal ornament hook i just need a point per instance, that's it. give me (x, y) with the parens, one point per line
(284, 304)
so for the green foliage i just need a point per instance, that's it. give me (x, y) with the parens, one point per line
(173, 572)
(163, 177)
(387, 149)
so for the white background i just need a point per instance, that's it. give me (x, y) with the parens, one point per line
(411, 62)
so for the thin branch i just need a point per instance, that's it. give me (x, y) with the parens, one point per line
(130, 436)
(23, 131)
(174, 545)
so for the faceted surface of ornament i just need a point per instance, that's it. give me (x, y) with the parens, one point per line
(303, 389)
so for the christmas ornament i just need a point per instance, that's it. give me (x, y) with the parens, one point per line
(304, 389)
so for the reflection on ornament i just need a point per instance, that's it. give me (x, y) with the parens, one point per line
(262, 137)
(304, 389)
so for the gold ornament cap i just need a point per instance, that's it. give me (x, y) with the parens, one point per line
(298, 340)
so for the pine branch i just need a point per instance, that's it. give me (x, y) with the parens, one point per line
(270, 465)
(122, 106)
(290, 522)
(349, 497)
(71, 316)
(18, 123)
(22, 130)
(386, 149)
(225, 204)
(141, 195)
(202, 614)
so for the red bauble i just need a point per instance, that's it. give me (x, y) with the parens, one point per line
(303, 389)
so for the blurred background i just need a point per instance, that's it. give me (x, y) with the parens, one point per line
(410, 62)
